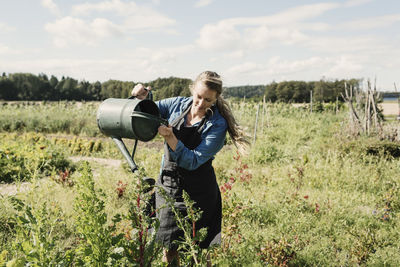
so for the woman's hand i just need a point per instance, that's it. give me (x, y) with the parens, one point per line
(140, 92)
(165, 131)
(168, 135)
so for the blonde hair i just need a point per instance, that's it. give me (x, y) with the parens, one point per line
(214, 82)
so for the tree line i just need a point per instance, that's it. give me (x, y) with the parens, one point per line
(30, 87)
(295, 91)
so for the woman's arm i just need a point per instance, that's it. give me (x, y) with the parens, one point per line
(212, 142)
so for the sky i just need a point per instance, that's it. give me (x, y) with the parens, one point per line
(247, 42)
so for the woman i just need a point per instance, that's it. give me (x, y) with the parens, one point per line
(197, 130)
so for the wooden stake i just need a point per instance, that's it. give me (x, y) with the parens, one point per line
(263, 114)
(255, 126)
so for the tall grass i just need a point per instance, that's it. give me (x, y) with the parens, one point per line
(50, 117)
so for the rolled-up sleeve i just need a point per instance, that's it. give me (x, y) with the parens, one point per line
(213, 138)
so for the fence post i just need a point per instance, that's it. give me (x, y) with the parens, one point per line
(255, 126)
(337, 105)
(263, 114)
(311, 100)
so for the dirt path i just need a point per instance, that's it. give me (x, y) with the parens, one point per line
(13, 189)
(109, 162)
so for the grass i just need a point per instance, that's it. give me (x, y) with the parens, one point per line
(308, 194)
(52, 117)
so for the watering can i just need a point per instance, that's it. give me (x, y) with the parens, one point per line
(130, 118)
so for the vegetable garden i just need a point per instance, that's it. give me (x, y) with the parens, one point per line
(309, 193)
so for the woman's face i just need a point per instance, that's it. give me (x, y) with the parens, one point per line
(203, 98)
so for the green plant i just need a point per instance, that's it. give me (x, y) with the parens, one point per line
(139, 225)
(25, 157)
(98, 241)
(37, 236)
(186, 219)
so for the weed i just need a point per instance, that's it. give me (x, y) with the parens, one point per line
(98, 240)
(37, 236)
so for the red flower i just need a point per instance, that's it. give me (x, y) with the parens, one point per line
(316, 207)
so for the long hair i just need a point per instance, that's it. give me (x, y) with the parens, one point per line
(214, 82)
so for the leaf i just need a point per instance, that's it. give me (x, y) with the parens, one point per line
(18, 204)
(117, 218)
(22, 220)
(116, 239)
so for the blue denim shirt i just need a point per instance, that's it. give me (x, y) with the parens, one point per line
(213, 134)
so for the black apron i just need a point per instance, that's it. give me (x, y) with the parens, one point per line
(200, 184)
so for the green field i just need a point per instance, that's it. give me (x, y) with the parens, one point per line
(309, 193)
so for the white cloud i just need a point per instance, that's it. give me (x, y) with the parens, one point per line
(149, 21)
(261, 37)
(6, 50)
(343, 66)
(313, 68)
(287, 17)
(243, 68)
(348, 44)
(4, 28)
(72, 30)
(237, 54)
(352, 3)
(219, 36)
(371, 22)
(142, 64)
(301, 13)
(51, 6)
(114, 6)
(77, 31)
(136, 17)
(203, 3)
(257, 32)
(160, 56)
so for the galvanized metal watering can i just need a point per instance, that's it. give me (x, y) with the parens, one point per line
(129, 118)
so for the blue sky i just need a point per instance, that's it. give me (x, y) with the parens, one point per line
(247, 42)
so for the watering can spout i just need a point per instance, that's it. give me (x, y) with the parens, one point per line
(121, 146)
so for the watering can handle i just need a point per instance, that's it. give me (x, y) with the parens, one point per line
(148, 116)
(149, 95)
(118, 141)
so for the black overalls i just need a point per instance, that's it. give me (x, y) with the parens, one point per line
(200, 184)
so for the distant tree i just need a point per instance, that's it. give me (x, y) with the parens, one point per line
(301, 91)
(170, 87)
(284, 91)
(111, 88)
(95, 91)
(270, 92)
(248, 91)
(53, 81)
(7, 89)
(68, 90)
